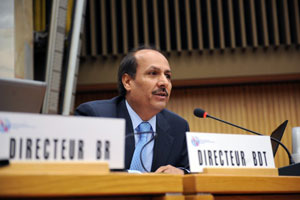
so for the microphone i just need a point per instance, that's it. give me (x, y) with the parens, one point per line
(139, 133)
(198, 112)
(152, 138)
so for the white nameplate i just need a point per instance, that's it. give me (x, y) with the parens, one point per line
(208, 150)
(37, 137)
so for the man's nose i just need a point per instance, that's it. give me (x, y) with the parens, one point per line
(163, 81)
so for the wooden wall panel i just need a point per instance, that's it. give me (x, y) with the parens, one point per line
(259, 107)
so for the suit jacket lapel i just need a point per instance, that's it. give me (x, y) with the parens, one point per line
(163, 142)
(129, 141)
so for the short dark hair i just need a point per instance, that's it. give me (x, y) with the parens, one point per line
(128, 66)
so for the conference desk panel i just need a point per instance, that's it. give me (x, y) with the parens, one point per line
(100, 186)
(147, 186)
(204, 186)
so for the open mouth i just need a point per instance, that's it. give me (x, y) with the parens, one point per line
(162, 94)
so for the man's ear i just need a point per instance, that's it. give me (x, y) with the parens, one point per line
(126, 80)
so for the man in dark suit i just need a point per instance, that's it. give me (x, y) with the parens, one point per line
(144, 80)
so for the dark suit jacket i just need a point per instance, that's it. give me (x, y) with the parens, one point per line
(170, 144)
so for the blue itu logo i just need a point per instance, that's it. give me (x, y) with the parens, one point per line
(4, 125)
(195, 141)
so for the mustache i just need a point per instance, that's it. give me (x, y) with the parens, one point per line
(164, 90)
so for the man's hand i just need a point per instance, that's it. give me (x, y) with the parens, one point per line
(169, 169)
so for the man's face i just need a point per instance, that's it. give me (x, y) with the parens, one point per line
(151, 88)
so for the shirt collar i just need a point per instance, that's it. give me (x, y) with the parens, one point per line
(136, 120)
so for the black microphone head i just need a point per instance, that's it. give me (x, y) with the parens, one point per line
(198, 112)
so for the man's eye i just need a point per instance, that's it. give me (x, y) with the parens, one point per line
(153, 73)
(168, 76)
